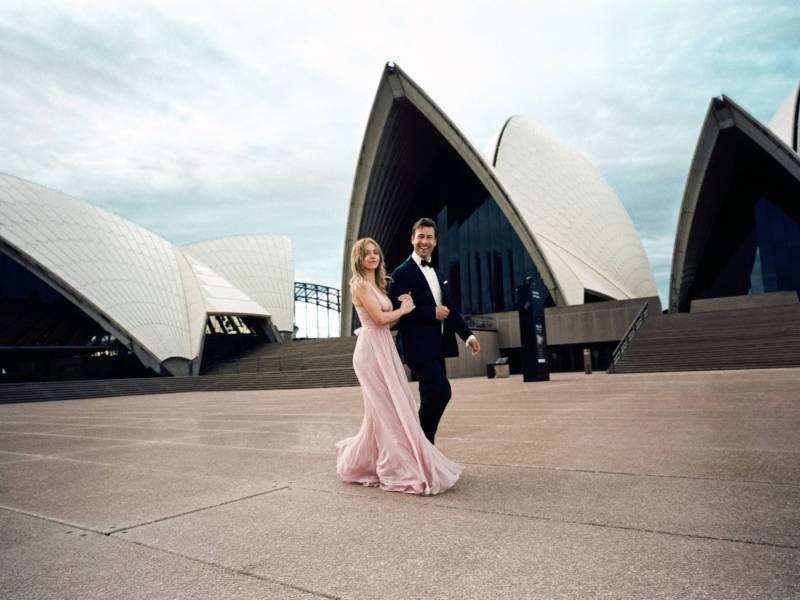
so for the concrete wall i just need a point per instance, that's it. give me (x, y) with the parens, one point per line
(738, 302)
(585, 323)
(467, 365)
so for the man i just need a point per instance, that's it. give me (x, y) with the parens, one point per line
(426, 336)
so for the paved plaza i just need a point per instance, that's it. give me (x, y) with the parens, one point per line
(650, 486)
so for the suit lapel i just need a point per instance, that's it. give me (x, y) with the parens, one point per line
(420, 278)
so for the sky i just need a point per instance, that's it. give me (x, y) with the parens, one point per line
(201, 120)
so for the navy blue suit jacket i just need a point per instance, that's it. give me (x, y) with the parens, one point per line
(419, 334)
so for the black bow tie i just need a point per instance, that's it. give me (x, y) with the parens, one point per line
(425, 263)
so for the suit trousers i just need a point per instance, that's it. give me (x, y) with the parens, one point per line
(434, 394)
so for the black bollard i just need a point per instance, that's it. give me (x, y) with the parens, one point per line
(533, 337)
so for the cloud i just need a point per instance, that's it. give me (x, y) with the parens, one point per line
(201, 120)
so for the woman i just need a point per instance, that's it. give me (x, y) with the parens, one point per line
(390, 449)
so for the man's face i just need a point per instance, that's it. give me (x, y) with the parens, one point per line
(424, 241)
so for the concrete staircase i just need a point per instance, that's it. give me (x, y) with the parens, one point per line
(330, 353)
(293, 365)
(751, 338)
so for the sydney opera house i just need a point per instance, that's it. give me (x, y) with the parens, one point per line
(86, 293)
(531, 207)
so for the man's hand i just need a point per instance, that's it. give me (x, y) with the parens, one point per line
(406, 304)
(442, 312)
(474, 345)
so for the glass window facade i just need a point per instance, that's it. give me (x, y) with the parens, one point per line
(32, 313)
(18, 283)
(45, 337)
(482, 257)
(777, 259)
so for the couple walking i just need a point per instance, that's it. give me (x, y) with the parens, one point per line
(394, 447)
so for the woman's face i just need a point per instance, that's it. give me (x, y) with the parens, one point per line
(372, 257)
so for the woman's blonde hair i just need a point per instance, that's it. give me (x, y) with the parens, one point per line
(357, 264)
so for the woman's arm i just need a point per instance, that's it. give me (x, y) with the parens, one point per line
(367, 299)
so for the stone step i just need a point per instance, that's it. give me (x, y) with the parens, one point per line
(252, 364)
(65, 390)
(760, 337)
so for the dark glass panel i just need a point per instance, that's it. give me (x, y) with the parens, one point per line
(746, 236)
(19, 283)
(776, 267)
(33, 313)
(46, 337)
(486, 259)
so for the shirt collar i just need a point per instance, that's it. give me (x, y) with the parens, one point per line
(416, 258)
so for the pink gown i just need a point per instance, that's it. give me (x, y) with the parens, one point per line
(390, 449)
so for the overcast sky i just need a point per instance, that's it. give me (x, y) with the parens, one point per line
(202, 120)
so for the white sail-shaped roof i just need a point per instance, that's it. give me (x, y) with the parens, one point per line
(220, 296)
(582, 228)
(785, 123)
(260, 265)
(138, 286)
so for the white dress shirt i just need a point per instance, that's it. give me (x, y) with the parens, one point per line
(433, 282)
(430, 276)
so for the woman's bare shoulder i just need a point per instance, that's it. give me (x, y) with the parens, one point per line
(358, 290)
(358, 285)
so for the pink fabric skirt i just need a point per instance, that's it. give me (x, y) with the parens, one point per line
(390, 449)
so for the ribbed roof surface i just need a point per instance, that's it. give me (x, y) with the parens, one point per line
(584, 231)
(121, 269)
(260, 265)
(784, 122)
(141, 285)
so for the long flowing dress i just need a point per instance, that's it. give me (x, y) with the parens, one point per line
(390, 449)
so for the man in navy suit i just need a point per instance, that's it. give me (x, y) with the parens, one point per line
(426, 336)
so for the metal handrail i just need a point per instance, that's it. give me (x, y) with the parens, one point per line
(616, 355)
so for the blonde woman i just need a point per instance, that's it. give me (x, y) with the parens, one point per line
(390, 449)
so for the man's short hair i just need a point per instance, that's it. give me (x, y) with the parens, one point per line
(425, 222)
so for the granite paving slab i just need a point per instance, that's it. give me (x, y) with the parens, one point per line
(199, 459)
(204, 424)
(109, 497)
(137, 433)
(6, 457)
(747, 512)
(680, 485)
(43, 559)
(712, 463)
(32, 427)
(64, 421)
(318, 441)
(48, 444)
(394, 546)
(756, 434)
